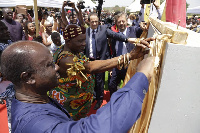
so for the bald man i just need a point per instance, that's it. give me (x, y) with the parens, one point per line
(15, 28)
(29, 65)
(46, 35)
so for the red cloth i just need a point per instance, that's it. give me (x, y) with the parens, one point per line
(175, 11)
(30, 38)
(3, 119)
(106, 99)
(114, 28)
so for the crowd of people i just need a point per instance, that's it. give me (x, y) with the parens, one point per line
(50, 81)
(193, 23)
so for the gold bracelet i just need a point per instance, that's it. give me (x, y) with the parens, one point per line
(125, 62)
(128, 58)
(118, 63)
(137, 41)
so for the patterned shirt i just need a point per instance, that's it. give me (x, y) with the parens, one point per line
(8, 95)
(3, 46)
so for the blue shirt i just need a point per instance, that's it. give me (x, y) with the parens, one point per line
(117, 116)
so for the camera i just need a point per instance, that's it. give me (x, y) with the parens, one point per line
(69, 3)
(57, 14)
(44, 14)
(146, 1)
(81, 6)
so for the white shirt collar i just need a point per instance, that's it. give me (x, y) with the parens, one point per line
(124, 31)
(95, 30)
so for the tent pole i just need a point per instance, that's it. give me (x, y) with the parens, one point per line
(36, 17)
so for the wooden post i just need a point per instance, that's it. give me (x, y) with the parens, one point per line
(36, 17)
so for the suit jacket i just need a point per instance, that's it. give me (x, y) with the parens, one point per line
(131, 32)
(102, 48)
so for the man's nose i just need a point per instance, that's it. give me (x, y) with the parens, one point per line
(95, 23)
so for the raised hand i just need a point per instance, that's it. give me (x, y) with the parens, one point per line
(141, 48)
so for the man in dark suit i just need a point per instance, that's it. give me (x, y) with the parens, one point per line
(120, 48)
(97, 49)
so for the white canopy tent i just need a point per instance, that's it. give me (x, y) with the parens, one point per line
(195, 10)
(42, 3)
(89, 4)
(134, 7)
(13, 3)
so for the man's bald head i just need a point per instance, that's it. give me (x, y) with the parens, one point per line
(17, 58)
(47, 23)
(7, 13)
(4, 10)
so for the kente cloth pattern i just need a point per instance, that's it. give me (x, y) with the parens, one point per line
(75, 99)
(8, 95)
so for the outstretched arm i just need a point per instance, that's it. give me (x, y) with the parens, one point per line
(98, 66)
(117, 116)
(80, 15)
(157, 5)
(55, 24)
(63, 15)
(119, 37)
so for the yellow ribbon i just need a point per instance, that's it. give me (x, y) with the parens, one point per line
(76, 70)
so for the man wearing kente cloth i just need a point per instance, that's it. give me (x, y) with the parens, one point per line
(76, 85)
(75, 89)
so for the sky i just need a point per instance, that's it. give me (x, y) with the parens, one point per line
(112, 3)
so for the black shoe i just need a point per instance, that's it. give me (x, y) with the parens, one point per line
(98, 104)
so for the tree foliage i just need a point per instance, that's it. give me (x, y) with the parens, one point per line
(187, 5)
(115, 9)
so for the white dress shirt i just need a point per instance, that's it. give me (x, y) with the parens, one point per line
(91, 50)
(124, 44)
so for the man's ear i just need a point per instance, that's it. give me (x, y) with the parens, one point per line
(27, 77)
